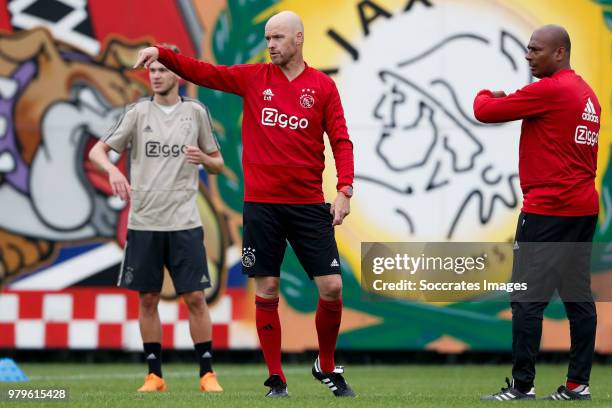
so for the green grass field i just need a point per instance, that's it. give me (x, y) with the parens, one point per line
(112, 385)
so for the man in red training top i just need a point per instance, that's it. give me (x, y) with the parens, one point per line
(557, 166)
(287, 106)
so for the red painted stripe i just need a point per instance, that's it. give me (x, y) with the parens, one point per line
(133, 306)
(168, 336)
(84, 304)
(243, 303)
(56, 335)
(30, 304)
(5, 23)
(162, 22)
(220, 336)
(110, 335)
(7, 335)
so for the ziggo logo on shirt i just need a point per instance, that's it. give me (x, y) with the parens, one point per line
(271, 117)
(156, 149)
(585, 136)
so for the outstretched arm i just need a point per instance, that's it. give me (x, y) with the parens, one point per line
(220, 77)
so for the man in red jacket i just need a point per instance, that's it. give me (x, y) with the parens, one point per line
(287, 107)
(557, 166)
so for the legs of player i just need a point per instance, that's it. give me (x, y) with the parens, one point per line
(583, 326)
(582, 315)
(328, 317)
(268, 323)
(526, 337)
(200, 327)
(269, 332)
(150, 330)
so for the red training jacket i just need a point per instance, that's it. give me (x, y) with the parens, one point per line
(558, 146)
(282, 126)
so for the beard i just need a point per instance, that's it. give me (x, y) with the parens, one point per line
(284, 58)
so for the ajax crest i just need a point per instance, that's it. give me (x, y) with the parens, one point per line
(307, 99)
(248, 257)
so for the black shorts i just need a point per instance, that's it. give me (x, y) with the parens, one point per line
(553, 253)
(307, 227)
(147, 252)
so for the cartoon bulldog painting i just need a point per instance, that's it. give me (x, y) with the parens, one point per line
(55, 102)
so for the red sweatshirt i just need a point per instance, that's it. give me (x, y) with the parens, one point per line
(282, 126)
(558, 146)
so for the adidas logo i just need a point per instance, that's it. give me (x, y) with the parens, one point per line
(334, 263)
(151, 357)
(207, 355)
(147, 129)
(516, 245)
(267, 94)
(590, 113)
(204, 279)
(562, 395)
(267, 327)
(330, 384)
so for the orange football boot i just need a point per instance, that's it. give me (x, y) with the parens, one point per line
(209, 383)
(153, 383)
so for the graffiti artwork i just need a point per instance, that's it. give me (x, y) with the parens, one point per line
(426, 170)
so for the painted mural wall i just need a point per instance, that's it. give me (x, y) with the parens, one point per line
(426, 170)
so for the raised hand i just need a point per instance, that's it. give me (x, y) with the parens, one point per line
(146, 57)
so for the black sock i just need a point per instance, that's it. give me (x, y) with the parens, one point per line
(204, 351)
(152, 353)
(522, 386)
